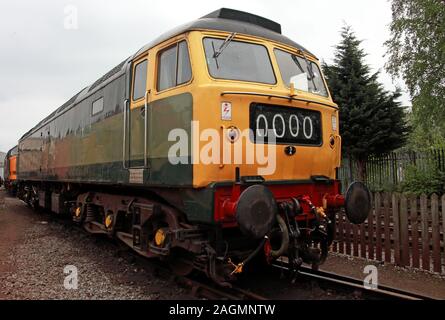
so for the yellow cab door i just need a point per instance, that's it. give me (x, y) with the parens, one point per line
(137, 116)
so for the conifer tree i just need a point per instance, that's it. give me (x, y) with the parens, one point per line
(372, 121)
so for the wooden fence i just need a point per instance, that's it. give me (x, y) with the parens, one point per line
(403, 230)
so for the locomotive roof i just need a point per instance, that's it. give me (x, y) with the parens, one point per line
(231, 21)
(12, 152)
(224, 19)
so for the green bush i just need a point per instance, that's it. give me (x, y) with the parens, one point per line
(426, 180)
(386, 186)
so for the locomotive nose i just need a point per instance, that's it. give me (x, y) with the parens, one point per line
(256, 211)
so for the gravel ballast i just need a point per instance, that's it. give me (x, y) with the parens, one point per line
(105, 269)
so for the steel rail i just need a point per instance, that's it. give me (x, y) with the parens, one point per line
(199, 288)
(212, 291)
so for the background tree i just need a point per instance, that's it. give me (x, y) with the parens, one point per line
(372, 122)
(416, 52)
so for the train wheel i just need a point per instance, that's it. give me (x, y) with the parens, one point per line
(180, 261)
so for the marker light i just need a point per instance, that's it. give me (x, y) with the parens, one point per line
(334, 123)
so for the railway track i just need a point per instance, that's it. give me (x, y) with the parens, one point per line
(340, 282)
(199, 286)
(206, 289)
(202, 289)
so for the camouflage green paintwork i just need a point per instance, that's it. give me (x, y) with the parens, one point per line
(93, 153)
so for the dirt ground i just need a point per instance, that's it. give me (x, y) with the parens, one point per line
(36, 247)
(425, 283)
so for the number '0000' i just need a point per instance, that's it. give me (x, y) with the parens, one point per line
(291, 125)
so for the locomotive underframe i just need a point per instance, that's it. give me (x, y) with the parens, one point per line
(152, 227)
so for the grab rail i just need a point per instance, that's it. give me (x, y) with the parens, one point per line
(146, 129)
(124, 147)
(290, 98)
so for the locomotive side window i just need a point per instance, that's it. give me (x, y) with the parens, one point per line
(184, 70)
(98, 106)
(167, 69)
(174, 66)
(140, 80)
(291, 65)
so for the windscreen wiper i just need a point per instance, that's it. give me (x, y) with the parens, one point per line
(217, 53)
(294, 57)
(310, 72)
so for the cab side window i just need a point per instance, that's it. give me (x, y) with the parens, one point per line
(140, 80)
(184, 70)
(174, 66)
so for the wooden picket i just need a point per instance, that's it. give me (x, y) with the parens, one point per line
(371, 246)
(405, 230)
(356, 240)
(425, 234)
(414, 219)
(362, 241)
(435, 225)
(347, 227)
(386, 228)
(378, 231)
(396, 229)
(340, 232)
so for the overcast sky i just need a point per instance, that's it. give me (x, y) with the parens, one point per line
(43, 64)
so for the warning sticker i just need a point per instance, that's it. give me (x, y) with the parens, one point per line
(226, 111)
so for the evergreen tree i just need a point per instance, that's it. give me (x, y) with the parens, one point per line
(372, 122)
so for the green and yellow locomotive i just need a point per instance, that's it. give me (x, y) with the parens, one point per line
(152, 152)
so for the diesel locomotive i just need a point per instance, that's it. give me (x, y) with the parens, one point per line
(125, 156)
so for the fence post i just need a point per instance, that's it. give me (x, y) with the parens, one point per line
(425, 232)
(396, 230)
(435, 229)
